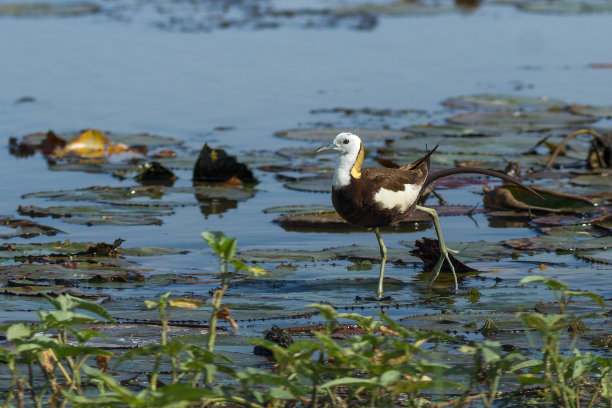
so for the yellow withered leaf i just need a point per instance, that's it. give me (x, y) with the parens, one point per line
(185, 303)
(117, 148)
(91, 143)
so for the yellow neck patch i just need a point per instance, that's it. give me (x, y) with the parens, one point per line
(356, 169)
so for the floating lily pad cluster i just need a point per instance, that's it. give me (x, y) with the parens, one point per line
(504, 132)
(78, 268)
(94, 151)
(569, 217)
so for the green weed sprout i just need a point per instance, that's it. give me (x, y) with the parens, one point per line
(225, 248)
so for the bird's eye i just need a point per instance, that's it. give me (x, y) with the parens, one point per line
(345, 141)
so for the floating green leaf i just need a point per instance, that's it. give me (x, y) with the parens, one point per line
(102, 214)
(299, 209)
(502, 102)
(48, 9)
(522, 121)
(326, 135)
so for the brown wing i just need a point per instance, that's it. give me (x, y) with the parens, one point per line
(395, 179)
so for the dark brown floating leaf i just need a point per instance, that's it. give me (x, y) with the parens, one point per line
(603, 224)
(216, 165)
(27, 148)
(153, 173)
(276, 335)
(429, 251)
(604, 342)
(514, 197)
(104, 249)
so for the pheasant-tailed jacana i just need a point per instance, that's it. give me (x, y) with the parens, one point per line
(378, 197)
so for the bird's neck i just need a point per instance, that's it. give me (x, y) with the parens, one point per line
(348, 166)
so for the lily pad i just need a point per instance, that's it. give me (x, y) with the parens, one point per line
(332, 222)
(49, 290)
(124, 195)
(372, 112)
(447, 130)
(74, 271)
(502, 102)
(593, 180)
(36, 9)
(326, 135)
(397, 8)
(102, 214)
(93, 166)
(522, 121)
(484, 146)
(476, 251)
(99, 193)
(601, 256)
(564, 7)
(319, 184)
(299, 209)
(26, 228)
(68, 249)
(353, 252)
(463, 322)
(550, 243)
(597, 111)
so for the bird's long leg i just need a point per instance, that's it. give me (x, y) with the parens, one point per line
(443, 249)
(383, 260)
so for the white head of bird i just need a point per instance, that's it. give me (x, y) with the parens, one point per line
(350, 157)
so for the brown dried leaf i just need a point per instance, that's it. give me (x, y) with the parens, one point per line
(429, 251)
(550, 201)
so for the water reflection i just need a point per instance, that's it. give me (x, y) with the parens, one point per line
(218, 198)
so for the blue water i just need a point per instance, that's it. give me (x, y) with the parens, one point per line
(129, 76)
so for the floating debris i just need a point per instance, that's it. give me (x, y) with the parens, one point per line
(215, 165)
(276, 335)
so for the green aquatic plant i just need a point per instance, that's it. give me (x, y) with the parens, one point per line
(225, 248)
(566, 379)
(55, 349)
(353, 360)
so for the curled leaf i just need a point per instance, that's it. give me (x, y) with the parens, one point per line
(513, 197)
(185, 303)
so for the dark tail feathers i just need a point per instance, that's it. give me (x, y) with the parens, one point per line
(416, 163)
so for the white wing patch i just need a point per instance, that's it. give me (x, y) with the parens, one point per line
(401, 200)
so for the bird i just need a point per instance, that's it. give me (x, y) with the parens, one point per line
(376, 197)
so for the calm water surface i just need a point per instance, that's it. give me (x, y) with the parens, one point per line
(129, 76)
